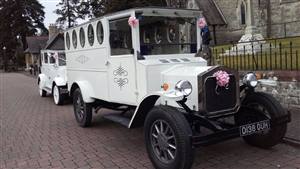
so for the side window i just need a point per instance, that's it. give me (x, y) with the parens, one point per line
(74, 39)
(91, 34)
(120, 37)
(46, 58)
(52, 58)
(61, 59)
(100, 34)
(82, 37)
(68, 40)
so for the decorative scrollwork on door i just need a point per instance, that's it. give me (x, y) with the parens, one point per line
(120, 75)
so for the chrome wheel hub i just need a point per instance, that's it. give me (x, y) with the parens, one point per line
(80, 108)
(163, 141)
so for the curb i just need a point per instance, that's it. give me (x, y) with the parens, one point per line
(291, 142)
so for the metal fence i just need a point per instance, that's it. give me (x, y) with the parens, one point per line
(271, 54)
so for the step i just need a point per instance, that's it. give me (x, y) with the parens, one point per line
(118, 118)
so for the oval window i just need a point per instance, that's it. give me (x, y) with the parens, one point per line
(82, 37)
(100, 34)
(91, 37)
(68, 40)
(74, 39)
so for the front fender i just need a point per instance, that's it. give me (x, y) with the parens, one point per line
(59, 81)
(86, 91)
(148, 103)
(42, 78)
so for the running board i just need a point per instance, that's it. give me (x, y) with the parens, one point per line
(118, 118)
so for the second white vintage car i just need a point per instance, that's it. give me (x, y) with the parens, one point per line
(142, 62)
(53, 76)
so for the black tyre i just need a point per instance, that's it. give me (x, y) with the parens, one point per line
(42, 92)
(83, 111)
(167, 139)
(58, 97)
(265, 106)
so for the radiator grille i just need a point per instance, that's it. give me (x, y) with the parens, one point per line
(221, 98)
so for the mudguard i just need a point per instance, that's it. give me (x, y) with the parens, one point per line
(59, 81)
(42, 78)
(148, 103)
(86, 91)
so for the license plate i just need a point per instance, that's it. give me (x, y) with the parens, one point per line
(252, 128)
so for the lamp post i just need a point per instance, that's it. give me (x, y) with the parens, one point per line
(4, 59)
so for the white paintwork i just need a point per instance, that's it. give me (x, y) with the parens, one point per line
(51, 72)
(94, 69)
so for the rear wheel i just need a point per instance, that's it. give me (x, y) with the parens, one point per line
(266, 106)
(57, 96)
(167, 139)
(82, 111)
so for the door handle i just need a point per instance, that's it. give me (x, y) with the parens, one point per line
(107, 63)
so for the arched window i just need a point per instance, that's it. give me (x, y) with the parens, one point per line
(243, 13)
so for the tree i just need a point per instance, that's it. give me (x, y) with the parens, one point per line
(71, 10)
(19, 19)
(101, 7)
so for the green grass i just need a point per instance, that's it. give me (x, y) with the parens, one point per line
(288, 58)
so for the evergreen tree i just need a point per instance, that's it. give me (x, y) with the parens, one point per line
(101, 7)
(19, 19)
(71, 10)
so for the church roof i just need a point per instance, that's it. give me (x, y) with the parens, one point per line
(35, 44)
(56, 42)
(211, 12)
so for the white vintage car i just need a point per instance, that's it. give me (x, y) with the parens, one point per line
(53, 76)
(142, 63)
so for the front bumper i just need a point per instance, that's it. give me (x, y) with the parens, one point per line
(223, 132)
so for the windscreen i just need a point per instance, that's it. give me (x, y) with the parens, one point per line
(167, 35)
(61, 59)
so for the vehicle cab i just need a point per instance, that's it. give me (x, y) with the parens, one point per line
(53, 76)
(142, 63)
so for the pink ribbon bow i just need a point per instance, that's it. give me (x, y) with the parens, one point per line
(202, 23)
(222, 78)
(132, 21)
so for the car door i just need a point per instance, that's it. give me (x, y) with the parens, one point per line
(45, 67)
(121, 63)
(52, 68)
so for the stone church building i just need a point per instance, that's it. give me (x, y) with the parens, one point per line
(229, 20)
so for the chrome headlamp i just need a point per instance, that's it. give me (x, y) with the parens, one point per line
(184, 87)
(250, 80)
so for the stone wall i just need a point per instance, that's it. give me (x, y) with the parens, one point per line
(285, 19)
(287, 93)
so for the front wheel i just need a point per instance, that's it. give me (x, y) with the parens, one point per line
(82, 111)
(264, 105)
(167, 139)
